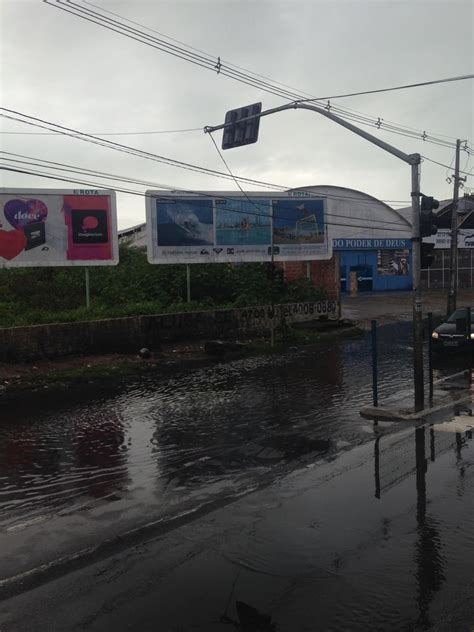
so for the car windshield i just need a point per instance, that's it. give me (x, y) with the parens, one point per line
(459, 313)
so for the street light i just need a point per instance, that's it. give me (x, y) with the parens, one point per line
(414, 161)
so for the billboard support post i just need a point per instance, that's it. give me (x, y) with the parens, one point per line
(188, 283)
(88, 294)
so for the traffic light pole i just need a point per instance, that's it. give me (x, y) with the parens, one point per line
(416, 277)
(414, 160)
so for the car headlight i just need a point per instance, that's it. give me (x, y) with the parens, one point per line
(435, 335)
(472, 335)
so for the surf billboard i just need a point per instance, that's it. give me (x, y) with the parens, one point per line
(213, 227)
(52, 227)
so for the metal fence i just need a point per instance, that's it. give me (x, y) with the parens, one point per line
(437, 276)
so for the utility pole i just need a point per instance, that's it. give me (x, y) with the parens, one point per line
(414, 161)
(417, 298)
(453, 258)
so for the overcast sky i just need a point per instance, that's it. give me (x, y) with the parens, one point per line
(74, 73)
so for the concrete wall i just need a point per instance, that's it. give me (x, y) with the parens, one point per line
(130, 334)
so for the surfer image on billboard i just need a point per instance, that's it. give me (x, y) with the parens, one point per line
(298, 222)
(242, 222)
(185, 222)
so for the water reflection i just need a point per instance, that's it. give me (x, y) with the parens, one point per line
(100, 453)
(393, 465)
(47, 468)
(428, 558)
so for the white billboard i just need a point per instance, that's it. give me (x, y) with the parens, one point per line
(55, 227)
(221, 226)
(442, 239)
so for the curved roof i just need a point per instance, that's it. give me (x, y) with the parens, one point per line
(360, 196)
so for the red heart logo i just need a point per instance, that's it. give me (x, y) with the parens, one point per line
(12, 242)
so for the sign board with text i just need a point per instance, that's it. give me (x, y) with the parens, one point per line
(362, 243)
(50, 227)
(442, 239)
(218, 227)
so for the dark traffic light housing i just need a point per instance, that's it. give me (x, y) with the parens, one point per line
(427, 255)
(240, 132)
(428, 220)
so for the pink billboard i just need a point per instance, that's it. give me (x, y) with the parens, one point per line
(57, 228)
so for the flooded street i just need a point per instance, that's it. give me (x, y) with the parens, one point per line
(98, 464)
(387, 510)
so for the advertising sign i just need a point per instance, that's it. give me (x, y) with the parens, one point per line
(442, 239)
(222, 227)
(57, 228)
(393, 262)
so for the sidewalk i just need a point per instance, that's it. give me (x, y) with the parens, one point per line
(449, 393)
(393, 306)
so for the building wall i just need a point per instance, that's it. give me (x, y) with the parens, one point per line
(322, 274)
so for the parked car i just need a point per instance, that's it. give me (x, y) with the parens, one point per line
(453, 334)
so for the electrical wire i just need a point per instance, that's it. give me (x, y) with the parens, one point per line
(230, 172)
(140, 153)
(97, 185)
(232, 71)
(402, 87)
(166, 131)
(37, 162)
(67, 131)
(441, 164)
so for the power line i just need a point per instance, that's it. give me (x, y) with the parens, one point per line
(402, 87)
(198, 50)
(214, 64)
(230, 172)
(142, 154)
(467, 173)
(144, 195)
(165, 131)
(91, 172)
(174, 188)
(67, 131)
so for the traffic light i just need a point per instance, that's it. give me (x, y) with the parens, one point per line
(428, 220)
(241, 133)
(427, 256)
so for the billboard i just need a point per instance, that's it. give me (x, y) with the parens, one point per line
(220, 226)
(442, 239)
(52, 227)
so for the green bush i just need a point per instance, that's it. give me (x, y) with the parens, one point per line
(134, 287)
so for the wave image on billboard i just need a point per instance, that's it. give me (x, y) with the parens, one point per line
(188, 223)
(57, 228)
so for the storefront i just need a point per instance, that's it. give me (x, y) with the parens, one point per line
(380, 264)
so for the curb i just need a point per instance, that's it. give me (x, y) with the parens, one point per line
(32, 578)
(391, 414)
